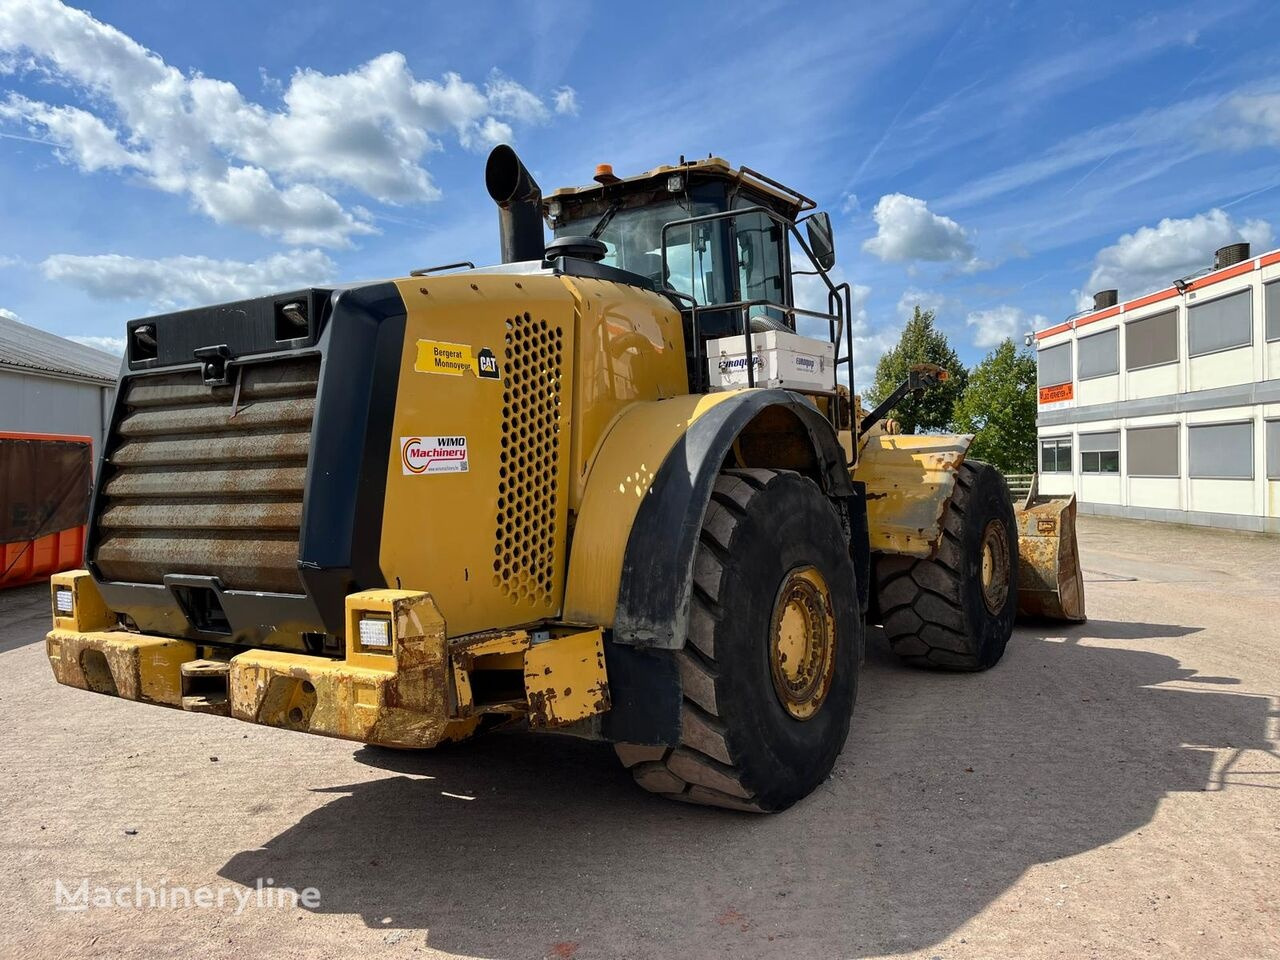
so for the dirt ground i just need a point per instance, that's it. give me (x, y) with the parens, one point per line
(1109, 790)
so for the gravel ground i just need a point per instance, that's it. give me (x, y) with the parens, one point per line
(1109, 790)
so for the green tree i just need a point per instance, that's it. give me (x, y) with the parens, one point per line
(921, 342)
(999, 409)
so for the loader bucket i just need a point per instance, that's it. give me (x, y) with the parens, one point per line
(1050, 582)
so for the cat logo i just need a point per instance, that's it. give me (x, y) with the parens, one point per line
(455, 359)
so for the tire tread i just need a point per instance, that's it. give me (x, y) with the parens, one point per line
(700, 769)
(920, 599)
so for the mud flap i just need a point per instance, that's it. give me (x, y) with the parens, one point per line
(1050, 581)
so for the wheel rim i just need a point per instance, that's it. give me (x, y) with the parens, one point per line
(995, 566)
(802, 643)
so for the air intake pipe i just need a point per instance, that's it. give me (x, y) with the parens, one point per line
(519, 201)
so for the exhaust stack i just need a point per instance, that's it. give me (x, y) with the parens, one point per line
(519, 201)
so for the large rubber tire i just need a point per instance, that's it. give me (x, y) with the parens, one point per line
(739, 746)
(935, 612)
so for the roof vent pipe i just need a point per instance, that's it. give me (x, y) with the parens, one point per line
(1105, 298)
(1229, 255)
(519, 201)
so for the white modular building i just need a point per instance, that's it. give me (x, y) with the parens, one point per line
(1167, 406)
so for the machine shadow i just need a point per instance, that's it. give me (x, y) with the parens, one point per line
(950, 787)
(1110, 629)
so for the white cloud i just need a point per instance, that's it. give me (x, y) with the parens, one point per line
(275, 171)
(105, 344)
(566, 101)
(908, 230)
(82, 138)
(300, 213)
(9, 315)
(182, 281)
(913, 297)
(1153, 257)
(992, 327)
(1251, 119)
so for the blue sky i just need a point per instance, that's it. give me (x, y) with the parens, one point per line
(994, 161)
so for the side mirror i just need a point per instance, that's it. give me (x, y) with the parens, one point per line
(821, 239)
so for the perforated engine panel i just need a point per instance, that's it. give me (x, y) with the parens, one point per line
(524, 566)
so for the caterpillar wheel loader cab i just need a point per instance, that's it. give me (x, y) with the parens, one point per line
(603, 488)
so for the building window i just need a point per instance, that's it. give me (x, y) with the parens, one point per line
(1151, 341)
(1100, 452)
(1055, 455)
(1220, 451)
(1222, 324)
(1097, 355)
(1271, 298)
(1273, 449)
(1152, 451)
(1053, 366)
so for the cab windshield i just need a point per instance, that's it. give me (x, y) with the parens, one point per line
(634, 241)
(698, 263)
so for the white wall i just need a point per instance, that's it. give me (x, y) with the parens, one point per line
(1221, 369)
(1222, 496)
(1098, 390)
(1151, 382)
(1163, 492)
(1099, 487)
(1057, 484)
(30, 403)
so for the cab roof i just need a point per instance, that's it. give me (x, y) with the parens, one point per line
(782, 198)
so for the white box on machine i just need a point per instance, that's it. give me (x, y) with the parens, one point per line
(781, 359)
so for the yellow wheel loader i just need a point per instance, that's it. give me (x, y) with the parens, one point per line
(614, 487)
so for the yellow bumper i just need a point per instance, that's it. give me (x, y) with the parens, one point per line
(417, 693)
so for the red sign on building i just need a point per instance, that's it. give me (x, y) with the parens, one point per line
(1063, 391)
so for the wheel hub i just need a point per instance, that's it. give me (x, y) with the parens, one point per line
(802, 643)
(995, 566)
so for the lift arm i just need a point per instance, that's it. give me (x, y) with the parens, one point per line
(920, 378)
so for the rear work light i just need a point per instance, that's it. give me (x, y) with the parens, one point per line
(375, 633)
(62, 601)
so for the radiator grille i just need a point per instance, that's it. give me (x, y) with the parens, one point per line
(524, 565)
(192, 489)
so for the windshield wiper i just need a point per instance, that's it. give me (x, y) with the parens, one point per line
(604, 221)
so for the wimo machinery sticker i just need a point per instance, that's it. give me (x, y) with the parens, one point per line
(426, 455)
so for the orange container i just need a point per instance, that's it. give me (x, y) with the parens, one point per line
(27, 561)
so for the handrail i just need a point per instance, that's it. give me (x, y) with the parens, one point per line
(839, 296)
(806, 203)
(424, 271)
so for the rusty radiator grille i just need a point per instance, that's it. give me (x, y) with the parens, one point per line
(524, 565)
(192, 489)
